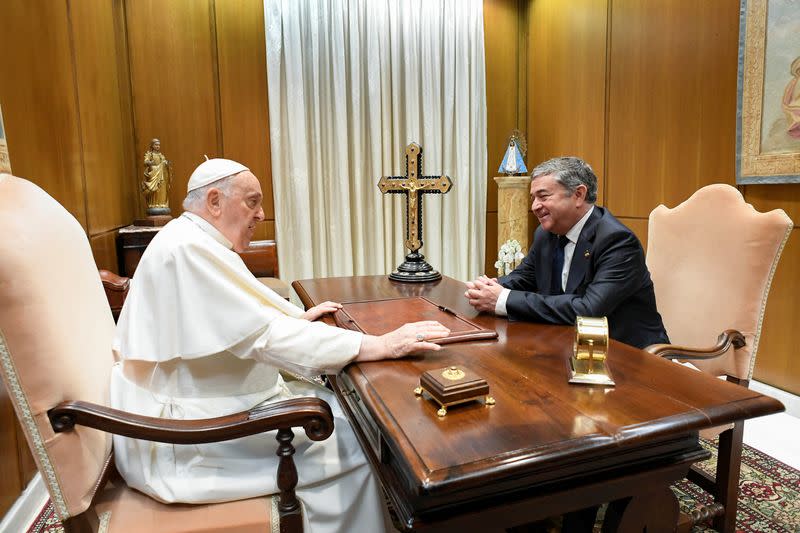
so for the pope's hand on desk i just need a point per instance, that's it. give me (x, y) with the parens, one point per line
(318, 310)
(483, 293)
(407, 339)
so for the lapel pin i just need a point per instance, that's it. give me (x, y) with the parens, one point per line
(586, 253)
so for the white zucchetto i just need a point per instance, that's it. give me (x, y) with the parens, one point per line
(213, 170)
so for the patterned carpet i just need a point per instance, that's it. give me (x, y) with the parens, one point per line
(769, 493)
(769, 496)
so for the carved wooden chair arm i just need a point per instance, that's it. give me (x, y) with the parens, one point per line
(313, 414)
(116, 288)
(114, 282)
(726, 339)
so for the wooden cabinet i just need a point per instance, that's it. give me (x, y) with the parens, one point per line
(261, 257)
(131, 244)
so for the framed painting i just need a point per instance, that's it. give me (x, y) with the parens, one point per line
(768, 113)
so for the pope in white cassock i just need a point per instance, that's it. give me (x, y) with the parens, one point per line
(199, 336)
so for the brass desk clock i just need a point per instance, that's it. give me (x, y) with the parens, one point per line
(588, 364)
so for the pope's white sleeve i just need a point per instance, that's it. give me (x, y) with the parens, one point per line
(300, 346)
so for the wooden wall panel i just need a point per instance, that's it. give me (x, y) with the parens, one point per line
(106, 131)
(265, 230)
(639, 228)
(244, 108)
(492, 244)
(566, 82)
(672, 101)
(10, 470)
(174, 84)
(104, 250)
(785, 196)
(777, 362)
(38, 98)
(501, 26)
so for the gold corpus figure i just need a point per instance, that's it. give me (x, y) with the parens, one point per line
(156, 180)
(413, 242)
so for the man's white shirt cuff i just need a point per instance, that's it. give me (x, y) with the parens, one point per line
(500, 306)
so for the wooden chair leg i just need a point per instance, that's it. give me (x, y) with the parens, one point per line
(291, 518)
(729, 462)
(86, 522)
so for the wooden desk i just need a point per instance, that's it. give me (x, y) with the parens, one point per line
(546, 447)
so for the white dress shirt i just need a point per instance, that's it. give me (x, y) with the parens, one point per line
(569, 250)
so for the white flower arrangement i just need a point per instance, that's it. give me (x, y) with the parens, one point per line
(509, 257)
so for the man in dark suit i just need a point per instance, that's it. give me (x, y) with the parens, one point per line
(583, 262)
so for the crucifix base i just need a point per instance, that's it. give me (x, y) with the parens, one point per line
(415, 270)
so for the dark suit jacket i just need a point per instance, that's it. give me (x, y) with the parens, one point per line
(607, 277)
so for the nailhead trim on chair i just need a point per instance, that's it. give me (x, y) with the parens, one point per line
(274, 515)
(48, 472)
(105, 520)
(757, 336)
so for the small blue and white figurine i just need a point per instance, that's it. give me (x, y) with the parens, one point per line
(512, 161)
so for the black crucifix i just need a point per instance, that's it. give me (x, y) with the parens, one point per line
(413, 186)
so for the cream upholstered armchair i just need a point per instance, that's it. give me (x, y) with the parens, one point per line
(56, 359)
(712, 259)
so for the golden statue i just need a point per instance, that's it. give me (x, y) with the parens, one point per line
(156, 180)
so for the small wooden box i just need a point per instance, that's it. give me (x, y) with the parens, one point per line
(453, 385)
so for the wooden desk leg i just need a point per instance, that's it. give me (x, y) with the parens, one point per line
(729, 463)
(580, 521)
(654, 511)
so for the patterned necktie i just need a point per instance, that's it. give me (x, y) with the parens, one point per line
(558, 265)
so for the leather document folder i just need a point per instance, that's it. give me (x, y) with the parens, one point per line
(376, 317)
